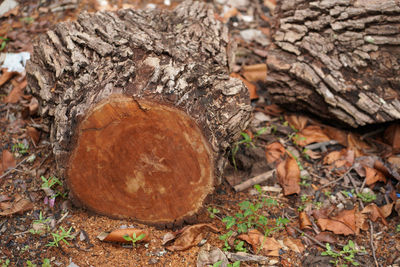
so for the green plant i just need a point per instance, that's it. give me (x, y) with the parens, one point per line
(366, 197)
(239, 246)
(250, 217)
(59, 236)
(213, 211)
(318, 204)
(304, 198)
(347, 193)
(301, 208)
(345, 256)
(40, 225)
(398, 228)
(30, 264)
(219, 263)
(248, 140)
(3, 42)
(6, 263)
(133, 238)
(27, 20)
(46, 263)
(49, 183)
(21, 148)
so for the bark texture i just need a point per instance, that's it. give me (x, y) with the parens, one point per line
(178, 59)
(338, 59)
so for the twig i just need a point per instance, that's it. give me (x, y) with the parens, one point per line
(337, 180)
(255, 180)
(12, 169)
(312, 238)
(322, 145)
(371, 227)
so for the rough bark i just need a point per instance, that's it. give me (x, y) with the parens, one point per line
(338, 59)
(110, 79)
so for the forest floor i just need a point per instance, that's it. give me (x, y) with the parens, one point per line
(320, 184)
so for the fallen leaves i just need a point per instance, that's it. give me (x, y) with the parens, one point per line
(16, 93)
(310, 134)
(268, 246)
(256, 72)
(274, 152)
(376, 213)
(344, 223)
(19, 205)
(289, 176)
(250, 86)
(7, 161)
(187, 237)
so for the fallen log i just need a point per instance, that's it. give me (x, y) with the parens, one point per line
(337, 59)
(141, 107)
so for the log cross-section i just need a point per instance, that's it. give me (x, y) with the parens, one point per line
(141, 107)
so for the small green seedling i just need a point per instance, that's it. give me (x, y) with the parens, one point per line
(226, 238)
(21, 148)
(346, 256)
(62, 235)
(6, 263)
(40, 225)
(366, 197)
(248, 140)
(27, 20)
(49, 183)
(219, 264)
(133, 238)
(3, 42)
(239, 246)
(213, 211)
(304, 198)
(398, 228)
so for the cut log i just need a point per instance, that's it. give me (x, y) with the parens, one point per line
(142, 109)
(337, 59)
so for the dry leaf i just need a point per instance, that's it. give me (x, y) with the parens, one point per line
(375, 213)
(310, 134)
(372, 176)
(19, 205)
(33, 134)
(118, 235)
(251, 87)
(8, 161)
(355, 143)
(254, 73)
(326, 237)
(344, 223)
(267, 245)
(273, 110)
(312, 154)
(392, 135)
(299, 122)
(336, 134)
(304, 220)
(333, 156)
(294, 244)
(189, 236)
(274, 152)
(6, 76)
(289, 176)
(16, 93)
(33, 106)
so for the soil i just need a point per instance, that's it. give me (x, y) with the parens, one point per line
(19, 245)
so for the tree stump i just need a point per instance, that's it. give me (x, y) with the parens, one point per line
(141, 107)
(337, 59)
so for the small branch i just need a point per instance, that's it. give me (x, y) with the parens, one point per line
(322, 145)
(337, 180)
(253, 181)
(312, 238)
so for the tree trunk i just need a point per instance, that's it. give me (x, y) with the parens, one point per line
(338, 59)
(142, 109)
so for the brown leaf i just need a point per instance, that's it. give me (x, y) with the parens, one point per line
(299, 122)
(310, 134)
(304, 220)
(336, 134)
(344, 223)
(274, 152)
(118, 235)
(33, 134)
(294, 244)
(189, 236)
(374, 213)
(19, 205)
(251, 87)
(372, 176)
(289, 176)
(333, 156)
(312, 154)
(254, 73)
(8, 161)
(16, 93)
(273, 110)
(267, 245)
(33, 106)
(326, 237)
(6, 76)
(355, 143)
(392, 135)
(386, 210)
